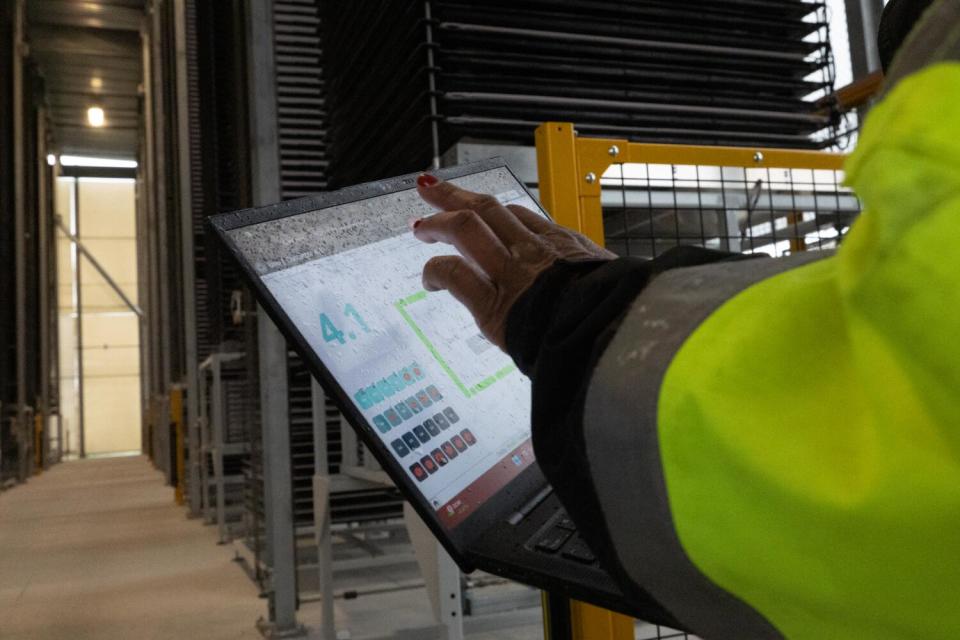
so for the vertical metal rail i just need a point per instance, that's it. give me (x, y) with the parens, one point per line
(81, 431)
(863, 22)
(203, 423)
(19, 240)
(186, 231)
(272, 348)
(321, 509)
(432, 85)
(216, 451)
(144, 247)
(44, 238)
(159, 248)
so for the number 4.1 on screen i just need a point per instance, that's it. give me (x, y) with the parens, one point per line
(330, 331)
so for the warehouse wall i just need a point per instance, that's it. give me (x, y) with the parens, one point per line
(106, 224)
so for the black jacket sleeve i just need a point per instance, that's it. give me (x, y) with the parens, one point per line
(556, 333)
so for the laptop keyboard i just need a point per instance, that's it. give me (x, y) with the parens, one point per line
(561, 539)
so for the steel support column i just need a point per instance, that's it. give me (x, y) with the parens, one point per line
(144, 245)
(863, 22)
(277, 479)
(160, 249)
(272, 348)
(186, 241)
(321, 509)
(20, 238)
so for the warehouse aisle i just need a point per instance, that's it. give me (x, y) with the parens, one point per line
(98, 549)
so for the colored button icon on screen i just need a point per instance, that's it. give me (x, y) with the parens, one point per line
(441, 421)
(449, 450)
(385, 388)
(392, 416)
(414, 405)
(374, 394)
(429, 464)
(451, 415)
(439, 457)
(407, 375)
(404, 412)
(424, 399)
(399, 448)
(459, 443)
(434, 393)
(417, 371)
(468, 437)
(421, 433)
(395, 382)
(411, 441)
(431, 427)
(418, 471)
(362, 399)
(382, 425)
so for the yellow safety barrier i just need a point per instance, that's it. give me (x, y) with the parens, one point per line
(176, 417)
(38, 442)
(570, 168)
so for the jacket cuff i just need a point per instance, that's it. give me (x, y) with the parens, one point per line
(532, 313)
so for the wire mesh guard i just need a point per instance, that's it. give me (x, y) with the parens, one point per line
(650, 208)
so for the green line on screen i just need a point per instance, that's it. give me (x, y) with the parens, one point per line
(400, 305)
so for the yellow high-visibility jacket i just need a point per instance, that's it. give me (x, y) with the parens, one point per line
(771, 448)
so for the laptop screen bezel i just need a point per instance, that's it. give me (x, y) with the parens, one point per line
(455, 540)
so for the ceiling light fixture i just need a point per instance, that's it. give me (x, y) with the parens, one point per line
(92, 161)
(51, 159)
(95, 117)
(96, 83)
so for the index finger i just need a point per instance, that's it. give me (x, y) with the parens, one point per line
(447, 196)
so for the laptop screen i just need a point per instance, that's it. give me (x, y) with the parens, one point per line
(450, 407)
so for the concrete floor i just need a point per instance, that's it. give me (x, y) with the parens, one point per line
(98, 549)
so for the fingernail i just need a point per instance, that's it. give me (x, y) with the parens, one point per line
(427, 180)
(413, 223)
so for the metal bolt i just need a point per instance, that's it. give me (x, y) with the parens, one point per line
(614, 150)
(758, 157)
(590, 177)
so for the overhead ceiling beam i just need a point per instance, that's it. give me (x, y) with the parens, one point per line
(84, 14)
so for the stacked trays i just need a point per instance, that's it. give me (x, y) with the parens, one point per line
(408, 80)
(302, 144)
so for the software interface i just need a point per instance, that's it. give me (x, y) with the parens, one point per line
(449, 406)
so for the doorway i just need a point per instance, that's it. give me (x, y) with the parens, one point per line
(98, 318)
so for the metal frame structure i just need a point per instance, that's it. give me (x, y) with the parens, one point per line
(210, 437)
(570, 168)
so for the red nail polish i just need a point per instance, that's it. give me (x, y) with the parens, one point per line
(427, 180)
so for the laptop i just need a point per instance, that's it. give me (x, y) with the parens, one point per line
(444, 411)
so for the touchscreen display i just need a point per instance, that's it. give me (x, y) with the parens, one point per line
(450, 407)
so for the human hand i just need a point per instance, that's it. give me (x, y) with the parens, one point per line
(503, 249)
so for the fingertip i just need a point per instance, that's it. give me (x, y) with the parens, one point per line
(427, 180)
(413, 223)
